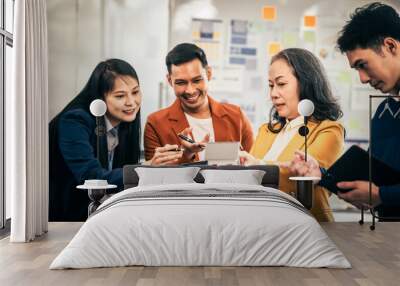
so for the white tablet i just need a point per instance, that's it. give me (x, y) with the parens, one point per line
(222, 153)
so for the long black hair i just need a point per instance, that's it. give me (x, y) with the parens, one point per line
(102, 81)
(313, 84)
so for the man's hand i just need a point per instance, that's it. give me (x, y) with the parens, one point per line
(359, 194)
(166, 155)
(191, 149)
(299, 167)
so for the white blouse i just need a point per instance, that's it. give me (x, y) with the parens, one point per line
(283, 138)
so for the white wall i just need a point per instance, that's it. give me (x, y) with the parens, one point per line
(84, 32)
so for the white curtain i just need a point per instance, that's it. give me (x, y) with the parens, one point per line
(27, 123)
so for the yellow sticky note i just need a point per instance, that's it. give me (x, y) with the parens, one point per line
(273, 48)
(269, 13)
(310, 21)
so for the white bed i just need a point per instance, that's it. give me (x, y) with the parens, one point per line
(201, 224)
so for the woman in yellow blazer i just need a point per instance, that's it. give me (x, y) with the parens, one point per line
(296, 74)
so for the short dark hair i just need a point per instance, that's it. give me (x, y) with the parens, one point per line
(368, 26)
(313, 85)
(184, 53)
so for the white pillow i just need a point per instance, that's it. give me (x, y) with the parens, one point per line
(249, 177)
(166, 176)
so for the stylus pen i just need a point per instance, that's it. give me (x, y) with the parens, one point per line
(187, 139)
(190, 140)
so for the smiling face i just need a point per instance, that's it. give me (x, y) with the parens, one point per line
(380, 69)
(190, 83)
(124, 100)
(284, 89)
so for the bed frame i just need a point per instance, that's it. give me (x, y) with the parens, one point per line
(270, 179)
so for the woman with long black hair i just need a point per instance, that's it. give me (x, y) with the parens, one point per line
(73, 145)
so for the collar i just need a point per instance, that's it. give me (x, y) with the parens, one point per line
(296, 143)
(393, 100)
(178, 120)
(109, 125)
(188, 116)
(295, 123)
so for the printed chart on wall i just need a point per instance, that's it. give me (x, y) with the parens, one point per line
(207, 34)
(243, 57)
(242, 45)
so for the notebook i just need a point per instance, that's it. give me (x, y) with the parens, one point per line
(354, 165)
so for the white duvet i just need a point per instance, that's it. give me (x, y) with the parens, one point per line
(267, 229)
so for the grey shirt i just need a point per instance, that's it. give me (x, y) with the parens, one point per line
(112, 141)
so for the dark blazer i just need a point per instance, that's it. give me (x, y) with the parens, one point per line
(73, 160)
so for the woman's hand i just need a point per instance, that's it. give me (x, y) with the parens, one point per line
(190, 149)
(299, 167)
(246, 159)
(166, 155)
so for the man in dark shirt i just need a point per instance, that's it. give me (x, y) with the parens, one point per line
(371, 42)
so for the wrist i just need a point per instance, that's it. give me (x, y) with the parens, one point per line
(189, 156)
(376, 198)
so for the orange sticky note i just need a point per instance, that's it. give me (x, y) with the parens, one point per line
(310, 21)
(269, 13)
(274, 48)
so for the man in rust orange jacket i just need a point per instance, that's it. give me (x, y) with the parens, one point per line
(194, 113)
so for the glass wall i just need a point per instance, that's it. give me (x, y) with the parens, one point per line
(6, 60)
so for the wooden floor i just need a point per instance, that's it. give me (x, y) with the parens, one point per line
(374, 255)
